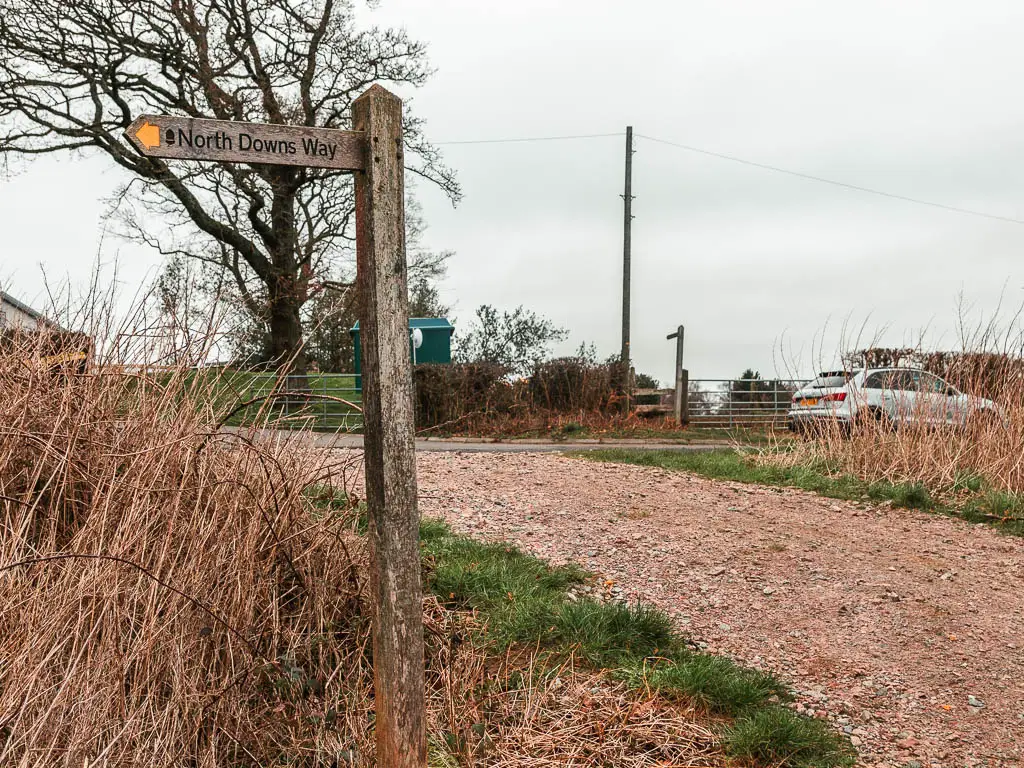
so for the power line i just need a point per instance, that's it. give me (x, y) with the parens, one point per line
(833, 182)
(533, 138)
(753, 164)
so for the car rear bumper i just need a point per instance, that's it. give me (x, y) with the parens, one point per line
(801, 418)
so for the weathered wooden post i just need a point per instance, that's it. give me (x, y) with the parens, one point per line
(389, 444)
(684, 397)
(374, 152)
(681, 414)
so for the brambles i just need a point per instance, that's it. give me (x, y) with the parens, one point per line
(167, 595)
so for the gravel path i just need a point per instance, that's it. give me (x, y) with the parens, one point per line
(904, 629)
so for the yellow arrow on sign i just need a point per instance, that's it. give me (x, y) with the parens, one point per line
(149, 135)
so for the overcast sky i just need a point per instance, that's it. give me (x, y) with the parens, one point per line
(919, 99)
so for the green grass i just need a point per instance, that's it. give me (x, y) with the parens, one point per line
(519, 595)
(524, 601)
(575, 431)
(1003, 510)
(772, 736)
(226, 389)
(981, 504)
(713, 682)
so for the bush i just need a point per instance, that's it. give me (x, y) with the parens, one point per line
(569, 384)
(468, 395)
(446, 394)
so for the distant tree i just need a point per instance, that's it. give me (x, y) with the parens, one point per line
(587, 352)
(746, 388)
(517, 340)
(177, 315)
(327, 316)
(699, 402)
(74, 75)
(750, 391)
(329, 341)
(646, 381)
(425, 301)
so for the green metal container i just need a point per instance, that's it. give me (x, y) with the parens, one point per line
(436, 346)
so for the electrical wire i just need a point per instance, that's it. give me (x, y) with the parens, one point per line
(833, 182)
(532, 138)
(752, 164)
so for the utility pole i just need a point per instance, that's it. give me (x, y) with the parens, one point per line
(627, 226)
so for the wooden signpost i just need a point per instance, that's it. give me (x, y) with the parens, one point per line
(226, 141)
(374, 151)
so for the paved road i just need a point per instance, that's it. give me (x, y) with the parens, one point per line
(436, 445)
(522, 446)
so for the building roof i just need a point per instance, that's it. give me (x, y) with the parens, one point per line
(6, 298)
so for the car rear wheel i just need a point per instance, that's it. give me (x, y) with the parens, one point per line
(874, 420)
(983, 420)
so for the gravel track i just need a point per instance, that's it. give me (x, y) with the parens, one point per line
(904, 629)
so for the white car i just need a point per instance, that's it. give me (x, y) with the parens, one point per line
(893, 396)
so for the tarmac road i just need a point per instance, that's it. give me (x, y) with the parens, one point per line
(475, 445)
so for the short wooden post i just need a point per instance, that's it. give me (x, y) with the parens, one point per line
(390, 457)
(683, 396)
(681, 414)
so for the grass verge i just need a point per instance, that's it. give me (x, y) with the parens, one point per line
(332, 404)
(970, 497)
(568, 428)
(523, 602)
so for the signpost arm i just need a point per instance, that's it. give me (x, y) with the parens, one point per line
(389, 445)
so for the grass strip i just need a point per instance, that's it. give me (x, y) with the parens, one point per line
(523, 600)
(977, 502)
(225, 389)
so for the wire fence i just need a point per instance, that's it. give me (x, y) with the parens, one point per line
(762, 403)
(725, 403)
(333, 402)
(321, 401)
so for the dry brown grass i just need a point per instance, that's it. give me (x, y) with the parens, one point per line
(508, 712)
(570, 717)
(941, 457)
(172, 595)
(168, 595)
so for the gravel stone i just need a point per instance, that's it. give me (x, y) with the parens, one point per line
(904, 656)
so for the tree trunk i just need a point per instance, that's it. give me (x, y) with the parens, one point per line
(286, 294)
(284, 345)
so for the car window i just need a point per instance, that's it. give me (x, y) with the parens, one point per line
(877, 380)
(931, 383)
(831, 379)
(905, 380)
(889, 380)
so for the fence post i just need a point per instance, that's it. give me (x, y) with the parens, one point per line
(681, 414)
(389, 448)
(683, 396)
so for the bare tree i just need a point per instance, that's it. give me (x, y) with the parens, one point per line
(200, 289)
(517, 340)
(75, 73)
